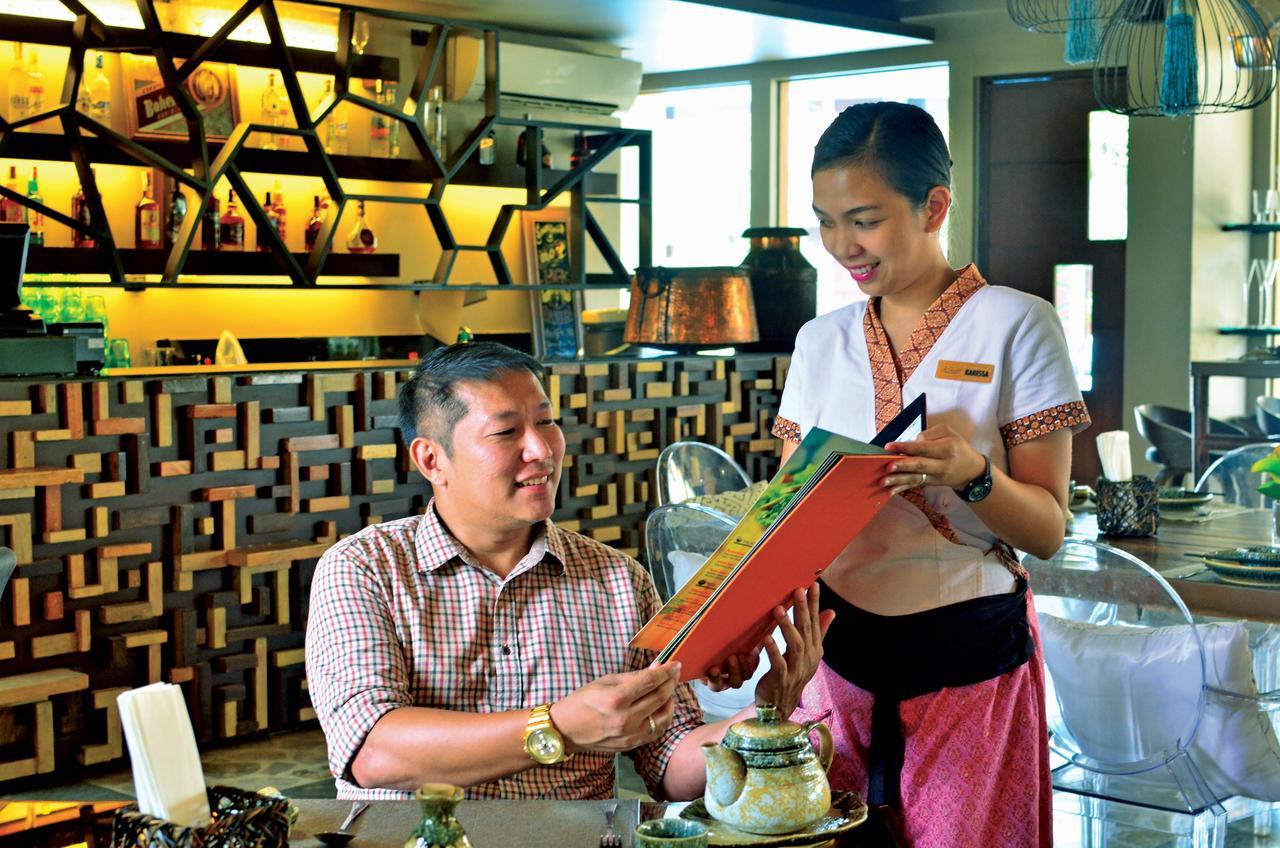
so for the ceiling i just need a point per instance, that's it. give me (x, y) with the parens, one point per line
(678, 35)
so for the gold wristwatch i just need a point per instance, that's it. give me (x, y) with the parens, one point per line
(541, 739)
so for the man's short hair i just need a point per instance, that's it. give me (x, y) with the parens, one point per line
(429, 400)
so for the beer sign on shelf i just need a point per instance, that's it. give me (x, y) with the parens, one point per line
(151, 111)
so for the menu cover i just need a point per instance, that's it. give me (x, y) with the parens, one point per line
(820, 499)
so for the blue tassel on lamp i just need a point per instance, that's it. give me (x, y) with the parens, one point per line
(1179, 80)
(1082, 32)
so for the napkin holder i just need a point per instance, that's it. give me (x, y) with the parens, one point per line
(240, 820)
(1128, 508)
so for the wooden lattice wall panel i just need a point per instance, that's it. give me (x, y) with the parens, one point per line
(167, 528)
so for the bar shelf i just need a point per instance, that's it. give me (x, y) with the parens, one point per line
(82, 260)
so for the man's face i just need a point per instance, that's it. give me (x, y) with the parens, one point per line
(506, 457)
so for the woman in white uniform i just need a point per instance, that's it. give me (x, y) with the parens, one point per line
(932, 673)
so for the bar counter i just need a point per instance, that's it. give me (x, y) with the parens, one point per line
(166, 521)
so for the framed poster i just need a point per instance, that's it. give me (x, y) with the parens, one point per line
(151, 111)
(555, 314)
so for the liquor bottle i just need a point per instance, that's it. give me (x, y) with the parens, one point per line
(35, 219)
(11, 211)
(35, 88)
(174, 215)
(146, 218)
(488, 146)
(273, 221)
(231, 226)
(580, 151)
(334, 125)
(314, 224)
(19, 96)
(99, 94)
(435, 119)
(380, 125)
(546, 156)
(282, 214)
(522, 155)
(211, 227)
(80, 212)
(362, 238)
(272, 103)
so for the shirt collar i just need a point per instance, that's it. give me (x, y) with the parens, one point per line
(437, 546)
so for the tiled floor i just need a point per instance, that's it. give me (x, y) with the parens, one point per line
(295, 764)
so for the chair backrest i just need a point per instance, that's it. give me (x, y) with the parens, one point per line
(1267, 411)
(678, 538)
(1229, 476)
(1168, 429)
(1125, 661)
(690, 469)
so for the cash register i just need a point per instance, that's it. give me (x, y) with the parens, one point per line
(29, 346)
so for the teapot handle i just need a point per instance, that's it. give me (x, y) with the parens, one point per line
(826, 746)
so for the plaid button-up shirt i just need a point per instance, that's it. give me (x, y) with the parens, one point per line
(402, 615)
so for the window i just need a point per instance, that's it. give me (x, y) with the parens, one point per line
(1108, 176)
(807, 107)
(701, 174)
(1073, 298)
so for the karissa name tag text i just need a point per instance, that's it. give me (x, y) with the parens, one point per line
(971, 372)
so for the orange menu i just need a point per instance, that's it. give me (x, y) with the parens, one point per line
(821, 498)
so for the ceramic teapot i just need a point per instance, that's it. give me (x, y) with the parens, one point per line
(766, 776)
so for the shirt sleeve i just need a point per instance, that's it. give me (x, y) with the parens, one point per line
(787, 426)
(1040, 393)
(651, 760)
(356, 667)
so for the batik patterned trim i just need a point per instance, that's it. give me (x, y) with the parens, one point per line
(1040, 423)
(786, 429)
(890, 372)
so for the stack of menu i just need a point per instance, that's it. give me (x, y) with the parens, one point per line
(826, 492)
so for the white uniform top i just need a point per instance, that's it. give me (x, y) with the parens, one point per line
(901, 562)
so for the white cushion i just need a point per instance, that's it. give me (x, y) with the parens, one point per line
(1125, 692)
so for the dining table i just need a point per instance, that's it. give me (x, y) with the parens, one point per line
(1174, 552)
(389, 824)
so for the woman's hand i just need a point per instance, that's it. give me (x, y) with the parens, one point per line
(938, 457)
(789, 672)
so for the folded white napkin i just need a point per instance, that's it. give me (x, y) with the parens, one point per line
(167, 776)
(1113, 450)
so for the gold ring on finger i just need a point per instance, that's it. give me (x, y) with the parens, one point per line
(653, 726)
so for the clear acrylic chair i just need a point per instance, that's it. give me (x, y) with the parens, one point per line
(678, 538)
(1229, 476)
(1267, 412)
(1127, 695)
(694, 469)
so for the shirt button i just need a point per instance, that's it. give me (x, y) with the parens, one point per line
(506, 649)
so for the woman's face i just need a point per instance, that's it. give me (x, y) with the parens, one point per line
(883, 240)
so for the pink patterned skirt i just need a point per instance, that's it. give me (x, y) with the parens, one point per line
(976, 762)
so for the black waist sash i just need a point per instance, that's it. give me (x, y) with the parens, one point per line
(896, 657)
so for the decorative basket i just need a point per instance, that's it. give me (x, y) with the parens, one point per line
(241, 819)
(1128, 508)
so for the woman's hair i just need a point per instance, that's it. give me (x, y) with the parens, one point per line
(900, 141)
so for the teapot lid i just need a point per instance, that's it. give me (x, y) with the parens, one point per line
(767, 732)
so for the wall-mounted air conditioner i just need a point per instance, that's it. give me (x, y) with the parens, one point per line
(544, 78)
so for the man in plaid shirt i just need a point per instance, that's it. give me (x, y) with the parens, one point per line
(481, 645)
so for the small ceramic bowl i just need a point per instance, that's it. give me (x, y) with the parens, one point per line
(670, 833)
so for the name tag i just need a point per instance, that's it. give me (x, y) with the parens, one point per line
(971, 372)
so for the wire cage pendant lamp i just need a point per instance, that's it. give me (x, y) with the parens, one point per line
(1081, 20)
(1184, 57)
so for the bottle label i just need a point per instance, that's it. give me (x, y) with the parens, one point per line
(232, 234)
(148, 227)
(366, 237)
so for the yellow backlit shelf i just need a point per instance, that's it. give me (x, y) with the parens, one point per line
(55, 148)
(81, 260)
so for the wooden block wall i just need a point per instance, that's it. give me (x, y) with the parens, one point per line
(167, 528)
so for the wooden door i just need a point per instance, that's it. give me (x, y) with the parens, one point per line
(1033, 216)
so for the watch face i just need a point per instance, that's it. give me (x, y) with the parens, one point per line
(545, 746)
(978, 491)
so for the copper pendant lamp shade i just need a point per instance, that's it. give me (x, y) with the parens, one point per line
(691, 308)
